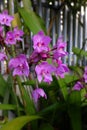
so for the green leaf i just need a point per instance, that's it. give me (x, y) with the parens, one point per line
(7, 107)
(70, 78)
(3, 86)
(29, 106)
(75, 98)
(74, 110)
(11, 95)
(63, 88)
(18, 123)
(6, 98)
(27, 101)
(32, 21)
(46, 126)
(27, 4)
(29, 82)
(83, 98)
(53, 107)
(79, 52)
(78, 71)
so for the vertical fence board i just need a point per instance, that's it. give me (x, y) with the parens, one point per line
(65, 28)
(70, 58)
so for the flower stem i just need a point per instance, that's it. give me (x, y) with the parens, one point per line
(13, 51)
(21, 89)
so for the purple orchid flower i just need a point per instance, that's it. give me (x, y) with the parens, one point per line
(41, 42)
(61, 70)
(3, 56)
(44, 72)
(35, 57)
(13, 36)
(1, 31)
(10, 39)
(37, 93)
(59, 49)
(85, 74)
(19, 65)
(78, 86)
(6, 19)
(18, 34)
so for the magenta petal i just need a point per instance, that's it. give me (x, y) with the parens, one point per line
(41, 42)
(17, 71)
(3, 56)
(13, 63)
(41, 93)
(48, 78)
(37, 93)
(78, 86)
(44, 72)
(39, 78)
(18, 34)
(10, 39)
(6, 19)
(61, 70)
(21, 71)
(19, 65)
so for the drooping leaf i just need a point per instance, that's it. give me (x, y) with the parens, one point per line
(18, 123)
(32, 21)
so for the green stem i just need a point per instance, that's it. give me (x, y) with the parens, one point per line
(26, 99)
(21, 89)
(13, 50)
(17, 104)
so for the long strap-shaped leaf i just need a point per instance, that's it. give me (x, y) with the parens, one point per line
(63, 88)
(32, 21)
(18, 123)
(74, 110)
(27, 4)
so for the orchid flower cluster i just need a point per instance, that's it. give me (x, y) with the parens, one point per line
(81, 83)
(21, 65)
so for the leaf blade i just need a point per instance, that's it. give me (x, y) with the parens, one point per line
(32, 21)
(18, 123)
